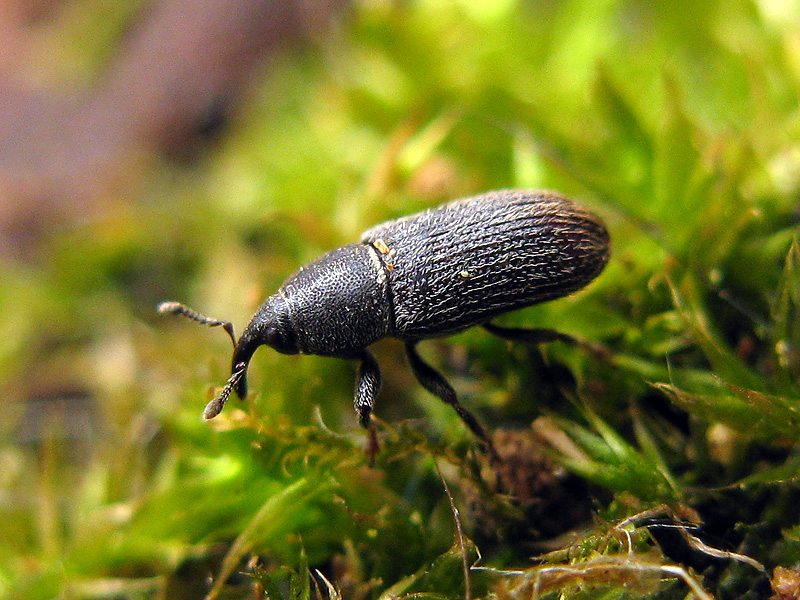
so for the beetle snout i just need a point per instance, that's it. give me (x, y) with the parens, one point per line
(245, 348)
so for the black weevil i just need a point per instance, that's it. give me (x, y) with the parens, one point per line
(427, 275)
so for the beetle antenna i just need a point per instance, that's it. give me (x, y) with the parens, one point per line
(176, 308)
(215, 407)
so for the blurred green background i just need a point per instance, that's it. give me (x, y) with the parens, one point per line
(677, 122)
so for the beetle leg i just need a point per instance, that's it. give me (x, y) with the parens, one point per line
(542, 336)
(436, 384)
(529, 336)
(368, 384)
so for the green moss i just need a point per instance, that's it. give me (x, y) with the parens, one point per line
(675, 121)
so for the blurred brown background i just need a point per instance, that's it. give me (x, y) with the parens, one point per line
(70, 147)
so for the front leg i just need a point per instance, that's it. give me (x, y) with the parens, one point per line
(436, 384)
(368, 385)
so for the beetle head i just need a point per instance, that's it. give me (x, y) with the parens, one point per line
(270, 326)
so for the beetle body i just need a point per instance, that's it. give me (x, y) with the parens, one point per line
(470, 260)
(433, 274)
(428, 275)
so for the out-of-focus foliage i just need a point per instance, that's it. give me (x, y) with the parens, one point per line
(678, 122)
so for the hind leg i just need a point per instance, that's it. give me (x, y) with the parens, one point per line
(542, 336)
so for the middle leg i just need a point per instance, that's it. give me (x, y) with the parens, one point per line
(436, 384)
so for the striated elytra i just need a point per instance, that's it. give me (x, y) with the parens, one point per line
(427, 275)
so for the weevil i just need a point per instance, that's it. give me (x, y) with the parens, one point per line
(431, 274)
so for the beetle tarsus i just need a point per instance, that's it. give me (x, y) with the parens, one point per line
(373, 447)
(436, 384)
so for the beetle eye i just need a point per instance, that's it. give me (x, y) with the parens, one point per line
(278, 340)
(273, 337)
